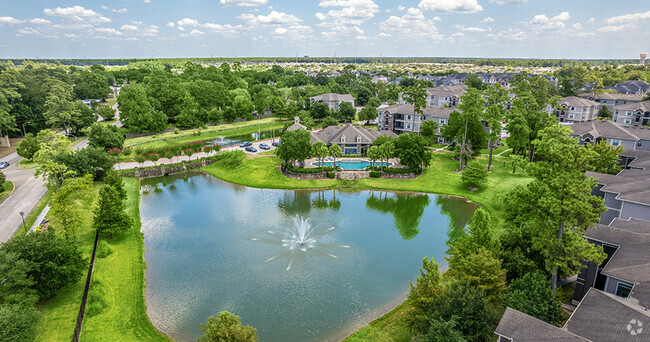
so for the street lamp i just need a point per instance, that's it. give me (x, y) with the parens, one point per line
(75, 139)
(23, 217)
(24, 134)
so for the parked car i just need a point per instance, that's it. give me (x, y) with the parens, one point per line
(246, 143)
(250, 149)
(4, 165)
(265, 147)
(276, 143)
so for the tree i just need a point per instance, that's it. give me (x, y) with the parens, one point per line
(368, 113)
(295, 146)
(469, 306)
(606, 157)
(329, 121)
(472, 81)
(91, 85)
(374, 154)
(17, 323)
(16, 284)
(465, 128)
(3, 179)
(483, 271)
(28, 146)
(105, 112)
(417, 96)
(110, 218)
(82, 117)
(335, 151)
(53, 262)
(428, 130)
(604, 112)
(60, 108)
(532, 295)
(347, 111)
(7, 121)
(227, 327)
(557, 206)
(136, 113)
(474, 175)
(442, 331)
(494, 115)
(88, 161)
(386, 151)
(51, 145)
(114, 179)
(65, 209)
(105, 136)
(319, 150)
(319, 110)
(480, 237)
(412, 151)
(423, 295)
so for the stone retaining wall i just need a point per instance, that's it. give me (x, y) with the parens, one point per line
(398, 175)
(165, 170)
(304, 176)
(347, 175)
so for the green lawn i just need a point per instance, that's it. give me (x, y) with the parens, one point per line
(212, 132)
(389, 327)
(7, 188)
(27, 164)
(122, 273)
(31, 218)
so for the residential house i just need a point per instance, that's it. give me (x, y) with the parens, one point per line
(91, 102)
(612, 100)
(636, 114)
(631, 87)
(354, 140)
(296, 125)
(400, 118)
(615, 134)
(574, 108)
(443, 96)
(332, 100)
(516, 326)
(380, 78)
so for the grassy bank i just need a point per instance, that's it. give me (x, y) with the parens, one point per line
(124, 318)
(121, 273)
(31, 218)
(212, 132)
(5, 189)
(389, 327)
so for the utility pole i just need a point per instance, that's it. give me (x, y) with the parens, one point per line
(462, 147)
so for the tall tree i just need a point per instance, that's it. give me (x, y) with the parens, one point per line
(346, 112)
(532, 295)
(465, 128)
(497, 98)
(428, 130)
(66, 203)
(136, 113)
(606, 157)
(110, 219)
(319, 150)
(335, 152)
(417, 96)
(60, 106)
(423, 295)
(295, 146)
(412, 151)
(227, 327)
(105, 136)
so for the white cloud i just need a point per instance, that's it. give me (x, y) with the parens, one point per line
(273, 18)
(628, 18)
(108, 30)
(231, 30)
(147, 1)
(591, 20)
(451, 6)
(564, 16)
(196, 32)
(612, 28)
(507, 2)
(243, 2)
(170, 24)
(436, 18)
(576, 26)
(351, 12)
(458, 34)
(469, 29)
(29, 31)
(292, 32)
(105, 7)
(77, 14)
(10, 20)
(411, 24)
(383, 35)
(487, 20)
(541, 22)
(122, 10)
(508, 35)
(39, 21)
(138, 28)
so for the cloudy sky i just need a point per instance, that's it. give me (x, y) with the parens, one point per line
(236, 28)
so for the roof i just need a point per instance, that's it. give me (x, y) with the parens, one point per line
(296, 126)
(436, 112)
(603, 129)
(521, 327)
(631, 87)
(631, 261)
(332, 134)
(574, 101)
(606, 317)
(452, 90)
(644, 106)
(613, 96)
(333, 97)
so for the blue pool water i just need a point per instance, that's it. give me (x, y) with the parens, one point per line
(352, 164)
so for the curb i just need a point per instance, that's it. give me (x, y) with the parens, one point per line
(12, 191)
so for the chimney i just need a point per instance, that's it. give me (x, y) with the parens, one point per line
(643, 56)
(296, 119)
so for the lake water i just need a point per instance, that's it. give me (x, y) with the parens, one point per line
(208, 248)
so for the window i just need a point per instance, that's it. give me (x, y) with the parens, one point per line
(627, 121)
(584, 109)
(442, 121)
(408, 117)
(573, 108)
(628, 113)
(623, 289)
(408, 126)
(571, 116)
(615, 142)
(358, 138)
(343, 138)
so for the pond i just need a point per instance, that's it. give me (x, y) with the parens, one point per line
(214, 246)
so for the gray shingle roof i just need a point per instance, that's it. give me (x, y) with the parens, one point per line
(332, 134)
(334, 97)
(451, 90)
(578, 102)
(604, 129)
(521, 327)
(605, 317)
(613, 96)
(645, 106)
(407, 109)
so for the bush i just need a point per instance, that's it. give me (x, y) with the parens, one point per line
(96, 298)
(175, 131)
(103, 249)
(290, 167)
(231, 158)
(331, 174)
(375, 174)
(2, 180)
(474, 175)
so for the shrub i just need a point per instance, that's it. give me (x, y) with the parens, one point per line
(331, 174)
(474, 175)
(126, 152)
(231, 158)
(2, 180)
(96, 302)
(175, 131)
(140, 158)
(375, 174)
(103, 249)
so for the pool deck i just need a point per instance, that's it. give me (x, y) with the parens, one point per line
(309, 162)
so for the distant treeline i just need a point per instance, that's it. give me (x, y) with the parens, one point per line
(513, 62)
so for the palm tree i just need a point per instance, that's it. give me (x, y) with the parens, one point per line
(335, 151)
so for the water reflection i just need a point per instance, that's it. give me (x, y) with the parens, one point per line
(406, 209)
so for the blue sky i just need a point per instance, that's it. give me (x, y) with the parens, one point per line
(236, 28)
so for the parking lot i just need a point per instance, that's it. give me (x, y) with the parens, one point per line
(255, 145)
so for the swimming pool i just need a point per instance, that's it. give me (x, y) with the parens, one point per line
(354, 164)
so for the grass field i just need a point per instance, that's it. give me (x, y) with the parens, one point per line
(389, 327)
(122, 273)
(7, 188)
(31, 218)
(212, 132)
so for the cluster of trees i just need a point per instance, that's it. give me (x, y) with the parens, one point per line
(575, 77)
(542, 241)
(38, 96)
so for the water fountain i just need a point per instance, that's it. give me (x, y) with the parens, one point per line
(299, 239)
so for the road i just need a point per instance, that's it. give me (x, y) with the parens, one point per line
(27, 193)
